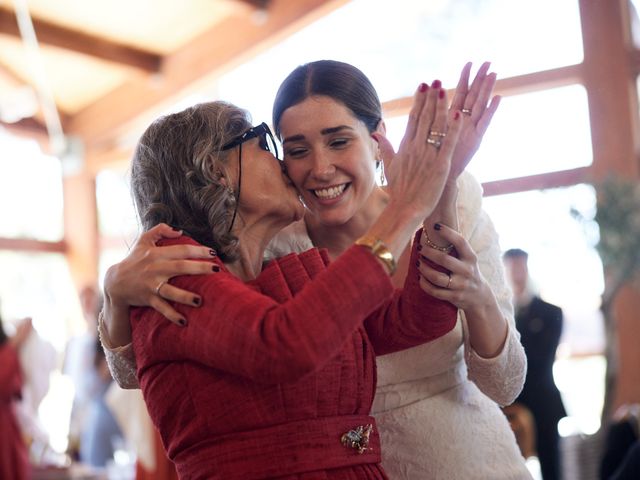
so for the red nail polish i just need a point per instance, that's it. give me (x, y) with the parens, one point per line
(423, 87)
(182, 322)
(196, 301)
(441, 93)
(215, 268)
(436, 84)
(456, 116)
(213, 253)
(419, 247)
(418, 263)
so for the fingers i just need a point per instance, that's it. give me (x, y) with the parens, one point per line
(419, 99)
(462, 246)
(480, 103)
(178, 295)
(160, 231)
(462, 88)
(182, 252)
(485, 119)
(474, 90)
(453, 132)
(164, 308)
(434, 113)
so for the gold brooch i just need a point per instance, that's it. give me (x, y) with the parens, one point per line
(357, 439)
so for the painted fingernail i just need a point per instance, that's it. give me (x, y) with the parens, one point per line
(419, 248)
(175, 229)
(441, 93)
(418, 263)
(456, 116)
(182, 322)
(215, 268)
(213, 253)
(437, 226)
(196, 301)
(436, 84)
(423, 87)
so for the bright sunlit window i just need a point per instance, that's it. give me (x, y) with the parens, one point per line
(566, 271)
(31, 184)
(397, 48)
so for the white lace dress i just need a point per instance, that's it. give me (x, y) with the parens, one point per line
(437, 405)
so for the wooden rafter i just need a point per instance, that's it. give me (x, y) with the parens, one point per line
(196, 64)
(531, 82)
(49, 33)
(29, 245)
(538, 182)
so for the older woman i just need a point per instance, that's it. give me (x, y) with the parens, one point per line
(274, 376)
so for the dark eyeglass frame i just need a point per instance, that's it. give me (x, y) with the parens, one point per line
(254, 132)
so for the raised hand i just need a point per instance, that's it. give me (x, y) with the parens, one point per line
(477, 110)
(418, 171)
(141, 279)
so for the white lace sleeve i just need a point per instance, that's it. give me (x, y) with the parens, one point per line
(500, 378)
(121, 360)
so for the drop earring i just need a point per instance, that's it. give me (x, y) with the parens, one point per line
(383, 179)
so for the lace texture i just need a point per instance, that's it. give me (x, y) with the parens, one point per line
(121, 360)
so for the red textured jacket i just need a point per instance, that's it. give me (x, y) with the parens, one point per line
(269, 375)
(14, 460)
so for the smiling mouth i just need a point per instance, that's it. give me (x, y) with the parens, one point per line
(330, 192)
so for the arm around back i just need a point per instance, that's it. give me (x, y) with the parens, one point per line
(240, 330)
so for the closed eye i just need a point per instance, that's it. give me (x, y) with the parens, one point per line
(339, 142)
(296, 152)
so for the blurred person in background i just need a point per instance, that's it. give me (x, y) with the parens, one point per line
(14, 458)
(101, 434)
(79, 365)
(540, 327)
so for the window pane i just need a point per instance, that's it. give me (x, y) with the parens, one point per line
(563, 262)
(400, 46)
(116, 212)
(39, 285)
(530, 134)
(30, 191)
(567, 271)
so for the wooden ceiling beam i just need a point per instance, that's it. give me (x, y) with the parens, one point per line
(49, 33)
(28, 128)
(196, 65)
(531, 82)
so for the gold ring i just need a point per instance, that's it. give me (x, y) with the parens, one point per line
(449, 282)
(159, 287)
(434, 142)
(466, 111)
(434, 133)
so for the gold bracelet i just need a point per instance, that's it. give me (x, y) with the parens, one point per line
(446, 249)
(380, 250)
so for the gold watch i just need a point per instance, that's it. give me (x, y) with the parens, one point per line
(380, 250)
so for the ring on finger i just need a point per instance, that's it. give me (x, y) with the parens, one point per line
(160, 286)
(449, 282)
(435, 142)
(466, 111)
(435, 133)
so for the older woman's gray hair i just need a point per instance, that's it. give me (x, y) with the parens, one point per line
(175, 173)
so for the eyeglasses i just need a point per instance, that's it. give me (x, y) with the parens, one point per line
(265, 139)
(266, 143)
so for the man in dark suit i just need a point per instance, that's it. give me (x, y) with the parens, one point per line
(540, 326)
